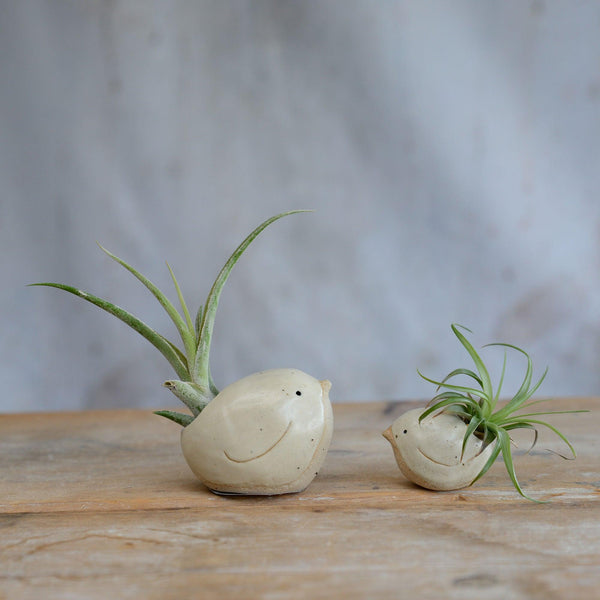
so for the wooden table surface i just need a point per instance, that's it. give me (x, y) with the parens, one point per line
(102, 505)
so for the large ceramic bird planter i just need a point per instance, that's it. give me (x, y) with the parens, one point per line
(268, 433)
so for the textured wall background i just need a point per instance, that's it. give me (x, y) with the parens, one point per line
(451, 151)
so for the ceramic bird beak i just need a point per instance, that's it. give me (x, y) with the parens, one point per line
(388, 435)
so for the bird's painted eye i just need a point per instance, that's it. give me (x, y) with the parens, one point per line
(298, 393)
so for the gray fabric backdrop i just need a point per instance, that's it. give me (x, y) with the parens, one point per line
(451, 151)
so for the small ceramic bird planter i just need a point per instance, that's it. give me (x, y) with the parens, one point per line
(456, 439)
(268, 433)
(430, 454)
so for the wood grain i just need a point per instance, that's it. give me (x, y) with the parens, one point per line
(102, 504)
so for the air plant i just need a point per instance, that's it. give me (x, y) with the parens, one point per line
(469, 415)
(240, 429)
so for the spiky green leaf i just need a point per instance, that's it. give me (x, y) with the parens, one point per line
(165, 347)
(470, 406)
(474, 423)
(467, 372)
(177, 417)
(187, 337)
(490, 461)
(191, 394)
(486, 382)
(184, 308)
(457, 388)
(504, 441)
(201, 372)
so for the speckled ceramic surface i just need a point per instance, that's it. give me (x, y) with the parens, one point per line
(429, 453)
(267, 433)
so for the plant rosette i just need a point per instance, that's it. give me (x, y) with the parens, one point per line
(267, 433)
(453, 442)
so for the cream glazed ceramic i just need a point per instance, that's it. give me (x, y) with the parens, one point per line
(428, 453)
(267, 433)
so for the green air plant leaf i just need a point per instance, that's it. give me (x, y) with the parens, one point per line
(477, 407)
(195, 387)
(179, 418)
(200, 371)
(166, 348)
(186, 336)
(186, 312)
